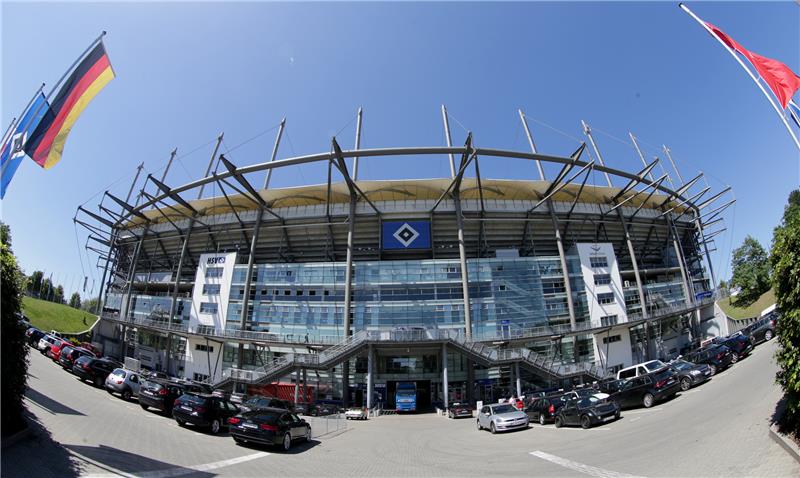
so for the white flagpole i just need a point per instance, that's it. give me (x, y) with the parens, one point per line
(741, 63)
(8, 131)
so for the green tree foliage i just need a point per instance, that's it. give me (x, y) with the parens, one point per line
(14, 365)
(90, 305)
(35, 283)
(75, 301)
(751, 270)
(785, 261)
(58, 295)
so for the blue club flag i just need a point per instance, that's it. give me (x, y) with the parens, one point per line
(12, 153)
(794, 112)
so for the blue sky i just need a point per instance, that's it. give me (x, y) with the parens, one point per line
(188, 71)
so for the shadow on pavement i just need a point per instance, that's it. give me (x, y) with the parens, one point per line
(296, 448)
(38, 455)
(50, 405)
(116, 459)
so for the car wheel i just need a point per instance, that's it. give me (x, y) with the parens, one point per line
(713, 370)
(586, 423)
(686, 384)
(648, 400)
(734, 358)
(98, 382)
(559, 422)
(479, 424)
(238, 440)
(110, 392)
(126, 395)
(616, 416)
(180, 422)
(287, 442)
(542, 420)
(215, 426)
(144, 407)
(308, 434)
(492, 428)
(768, 335)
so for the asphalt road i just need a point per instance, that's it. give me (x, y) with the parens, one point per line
(717, 429)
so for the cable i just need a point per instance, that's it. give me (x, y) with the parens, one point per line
(449, 115)
(542, 123)
(251, 139)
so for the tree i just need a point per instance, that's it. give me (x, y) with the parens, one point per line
(35, 282)
(785, 260)
(75, 301)
(14, 366)
(58, 296)
(46, 290)
(90, 305)
(750, 271)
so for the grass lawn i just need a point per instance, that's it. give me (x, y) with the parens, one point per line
(49, 316)
(766, 300)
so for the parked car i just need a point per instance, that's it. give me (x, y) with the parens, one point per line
(458, 409)
(741, 345)
(580, 393)
(641, 369)
(356, 413)
(55, 349)
(690, 374)
(125, 382)
(611, 385)
(94, 370)
(34, 335)
(501, 417)
(763, 329)
(45, 342)
(322, 409)
(238, 398)
(647, 389)
(717, 357)
(70, 354)
(161, 393)
(269, 426)
(260, 401)
(203, 410)
(587, 412)
(544, 409)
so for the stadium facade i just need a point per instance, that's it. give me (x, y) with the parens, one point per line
(469, 287)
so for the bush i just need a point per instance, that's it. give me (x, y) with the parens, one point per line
(14, 363)
(785, 261)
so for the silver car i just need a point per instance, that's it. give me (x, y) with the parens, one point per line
(500, 417)
(45, 343)
(124, 382)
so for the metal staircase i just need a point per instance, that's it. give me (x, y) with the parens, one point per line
(477, 351)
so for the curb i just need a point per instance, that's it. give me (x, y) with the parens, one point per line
(791, 447)
(17, 437)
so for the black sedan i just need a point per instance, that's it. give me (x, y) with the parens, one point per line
(203, 410)
(458, 410)
(717, 357)
(690, 374)
(647, 389)
(741, 345)
(587, 412)
(269, 426)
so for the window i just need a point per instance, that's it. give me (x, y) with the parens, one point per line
(204, 348)
(612, 339)
(602, 279)
(208, 308)
(630, 373)
(553, 286)
(605, 298)
(199, 377)
(615, 368)
(598, 261)
(214, 272)
(608, 320)
(211, 289)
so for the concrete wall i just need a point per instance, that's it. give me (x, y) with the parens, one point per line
(596, 310)
(216, 320)
(615, 353)
(202, 362)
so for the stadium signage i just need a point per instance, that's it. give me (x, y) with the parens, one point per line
(399, 235)
(215, 260)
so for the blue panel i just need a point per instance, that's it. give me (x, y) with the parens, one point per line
(406, 235)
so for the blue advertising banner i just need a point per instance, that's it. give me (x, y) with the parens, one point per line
(406, 235)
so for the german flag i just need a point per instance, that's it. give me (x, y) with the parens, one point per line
(46, 143)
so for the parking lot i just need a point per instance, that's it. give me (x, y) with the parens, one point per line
(717, 429)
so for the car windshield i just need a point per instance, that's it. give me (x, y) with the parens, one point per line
(681, 365)
(503, 409)
(654, 365)
(588, 402)
(193, 399)
(118, 372)
(585, 392)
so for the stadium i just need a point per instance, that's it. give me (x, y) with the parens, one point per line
(469, 287)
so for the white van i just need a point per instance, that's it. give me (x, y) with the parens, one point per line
(640, 369)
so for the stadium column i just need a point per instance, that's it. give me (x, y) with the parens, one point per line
(348, 288)
(462, 255)
(369, 376)
(445, 381)
(687, 289)
(638, 278)
(519, 381)
(247, 282)
(296, 385)
(564, 268)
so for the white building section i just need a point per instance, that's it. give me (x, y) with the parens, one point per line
(604, 295)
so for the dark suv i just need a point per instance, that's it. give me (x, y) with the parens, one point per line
(160, 393)
(647, 389)
(545, 409)
(70, 354)
(717, 357)
(94, 370)
(741, 345)
(258, 402)
(763, 329)
(203, 410)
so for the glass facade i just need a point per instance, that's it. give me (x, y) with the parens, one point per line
(505, 294)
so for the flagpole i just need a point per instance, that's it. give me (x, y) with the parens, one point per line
(741, 63)
(80, 57)
(9, 130)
